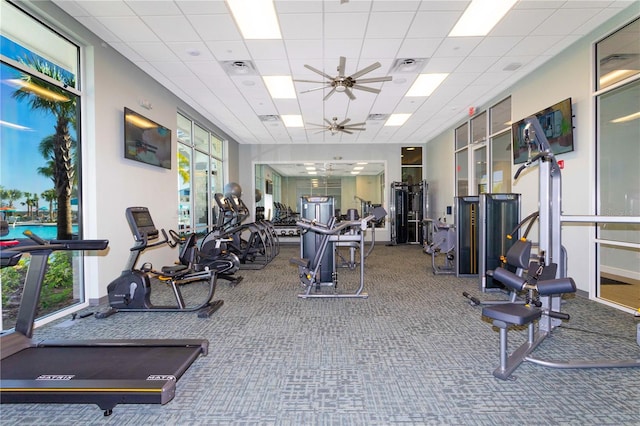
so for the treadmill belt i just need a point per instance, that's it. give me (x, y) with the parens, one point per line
(91, 363)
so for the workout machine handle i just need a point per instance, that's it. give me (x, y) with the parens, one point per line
(362, 223)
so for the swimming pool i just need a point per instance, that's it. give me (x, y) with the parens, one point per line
(46, 232)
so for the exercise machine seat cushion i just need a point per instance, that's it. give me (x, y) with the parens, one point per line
(512, 313)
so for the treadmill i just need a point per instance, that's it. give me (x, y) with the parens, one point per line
(103, 372)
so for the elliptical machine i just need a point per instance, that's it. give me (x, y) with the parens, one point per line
(131, 291)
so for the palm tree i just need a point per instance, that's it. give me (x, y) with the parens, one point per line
(50, 196)
(63, 106)
(11, 195)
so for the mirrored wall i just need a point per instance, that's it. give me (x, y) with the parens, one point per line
(353, 185)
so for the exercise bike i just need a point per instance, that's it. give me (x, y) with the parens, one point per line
(131, 291)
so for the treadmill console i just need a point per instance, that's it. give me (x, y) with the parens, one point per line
(141, 223)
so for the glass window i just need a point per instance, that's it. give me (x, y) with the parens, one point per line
(411, 164)
(40, 156)
(200, 175)
(462, 173)
(618, 56)
(500, 116)
(618, 146)
(462, 136)
(480, 170)
(479, 128)
(501, 163)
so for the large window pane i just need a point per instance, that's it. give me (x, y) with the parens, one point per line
(479, 128)
(500, 116)
(619, 175)
(480, 170)
(39, 170)
(501, 163)
(462, 173)
(462, 136)
(184, 187)
(618, 56)
(201, 191)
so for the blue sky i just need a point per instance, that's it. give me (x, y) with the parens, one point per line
(21, 131)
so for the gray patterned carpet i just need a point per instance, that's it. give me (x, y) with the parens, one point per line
(414, 352)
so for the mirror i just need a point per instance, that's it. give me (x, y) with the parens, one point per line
(354, 185)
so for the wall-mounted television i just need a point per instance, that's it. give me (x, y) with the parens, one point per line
(146, 141)
(556, 121)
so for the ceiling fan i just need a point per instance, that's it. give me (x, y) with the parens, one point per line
(335, 127)
(342, 83)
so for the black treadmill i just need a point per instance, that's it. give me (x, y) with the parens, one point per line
(103, 372)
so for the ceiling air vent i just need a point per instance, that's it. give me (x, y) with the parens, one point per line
(408, 65)
(269, 117)
(239, 68)
(377, 117)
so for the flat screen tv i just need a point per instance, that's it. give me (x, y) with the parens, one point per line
(146, 141)
(556, 121)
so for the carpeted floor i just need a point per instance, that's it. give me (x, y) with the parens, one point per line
(414, 352)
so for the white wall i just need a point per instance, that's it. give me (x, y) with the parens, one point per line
(110, 182)
(569, 74)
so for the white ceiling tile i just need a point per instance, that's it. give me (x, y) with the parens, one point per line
(153, 51)
(345, 25)
(272, 67)
(301, 6)
(106, 8)
(477, 63)
(564, 21)
(129, 28)
(381, 48)
(457, 46)
(303, 49)
(389, 24)
(267, 49)
(495, 46)
(228, 50)
(347, 48)
(520, 22)
(171, 28)
(301, 26)
(199, 7)
(154, 7)
(215, 27)
(535, 45)
(433, 24)
(191, 51)
(419, 47)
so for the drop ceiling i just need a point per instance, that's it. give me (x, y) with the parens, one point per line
(195, 49)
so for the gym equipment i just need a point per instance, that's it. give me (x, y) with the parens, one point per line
(331, 234)
(499, 214)
(409, 206)
(466, 210)
(547, 316)
(131, 291)
(443, 243)
(317, 209)
(254, 243)
(102, 372)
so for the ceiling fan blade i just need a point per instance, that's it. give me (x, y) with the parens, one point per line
(354, 128)
(329, 94)
(366, 70)
(373, 80)
(343, 122)
(310, 81)
(328, 122)
(317, 71)
(314, 89)
(356, 124)
(341, 65)
(365, 88)
(349, 93)
(320, 131)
